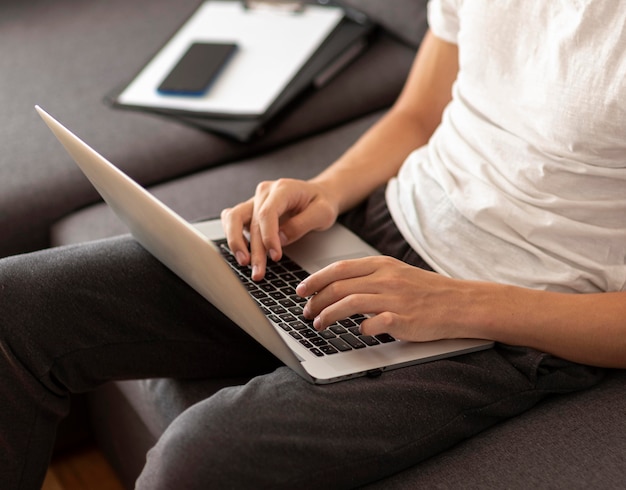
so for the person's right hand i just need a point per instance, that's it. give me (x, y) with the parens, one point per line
(280, 212)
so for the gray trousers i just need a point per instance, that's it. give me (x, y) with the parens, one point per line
(75, 317)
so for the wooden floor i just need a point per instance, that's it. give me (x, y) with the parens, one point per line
(85, 469)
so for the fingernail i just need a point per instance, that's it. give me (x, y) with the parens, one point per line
(241, 257)
(317, 323)
(274, 255)
(283, 238)
(301, 289)
(255, 271)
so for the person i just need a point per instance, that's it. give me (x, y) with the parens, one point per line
(495, 186)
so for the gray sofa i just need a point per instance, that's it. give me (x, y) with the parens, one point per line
(67, 54)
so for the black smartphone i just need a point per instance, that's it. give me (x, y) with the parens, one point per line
(197, 69)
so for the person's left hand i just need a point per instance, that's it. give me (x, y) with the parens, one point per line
(405, 301)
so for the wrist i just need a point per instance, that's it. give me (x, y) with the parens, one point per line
(488, 308)
(507, 314)
(333, 188)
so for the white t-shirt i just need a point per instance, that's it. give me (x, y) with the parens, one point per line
(524, 182)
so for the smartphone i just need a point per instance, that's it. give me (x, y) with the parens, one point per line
(197, 69)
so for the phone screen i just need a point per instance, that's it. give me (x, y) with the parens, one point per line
(197, 69)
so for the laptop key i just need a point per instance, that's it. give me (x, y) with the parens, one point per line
(317, 352)
(308, 333)
(385, 338)
(340, 344)
(269, 276)
(368, 339)
(301, 274)
(352, 340)
(328, 349)
(267, 301)
(296, 310)
(299, 325)
(318, 341)
(338, 329)
(279, 284)
(287, 278)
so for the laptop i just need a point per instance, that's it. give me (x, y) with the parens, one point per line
(191, 250)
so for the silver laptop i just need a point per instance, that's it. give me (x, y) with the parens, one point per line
(199, 256)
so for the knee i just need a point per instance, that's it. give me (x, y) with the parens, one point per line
(235, 439)
(201, 449)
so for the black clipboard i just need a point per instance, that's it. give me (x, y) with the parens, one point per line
(344, 43)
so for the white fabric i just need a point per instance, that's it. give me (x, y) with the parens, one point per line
(524, 182)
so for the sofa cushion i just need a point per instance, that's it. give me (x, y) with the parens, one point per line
(204, 194)
(574, 441)
(404, 18)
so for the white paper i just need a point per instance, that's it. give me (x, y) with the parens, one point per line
(273, 46)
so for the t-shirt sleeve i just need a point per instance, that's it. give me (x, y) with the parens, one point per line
(443, 19)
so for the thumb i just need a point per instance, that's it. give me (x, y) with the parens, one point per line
(310, 219)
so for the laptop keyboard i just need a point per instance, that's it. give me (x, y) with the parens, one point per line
(277, 297)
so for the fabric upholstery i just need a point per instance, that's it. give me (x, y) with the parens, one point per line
(404, 18)
(206, 193)
(67, 55)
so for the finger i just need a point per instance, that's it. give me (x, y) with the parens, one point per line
(288, 211)
(258, 253)
(316, 218)
(266, 219)
(384, 322)
(338, 271)
(235, 221)
(344, 308)
(333, 293)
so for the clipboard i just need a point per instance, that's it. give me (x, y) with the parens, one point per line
(347, 39)
(272, 47)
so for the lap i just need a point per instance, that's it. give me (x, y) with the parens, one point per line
(109, 310)
(293, 434)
